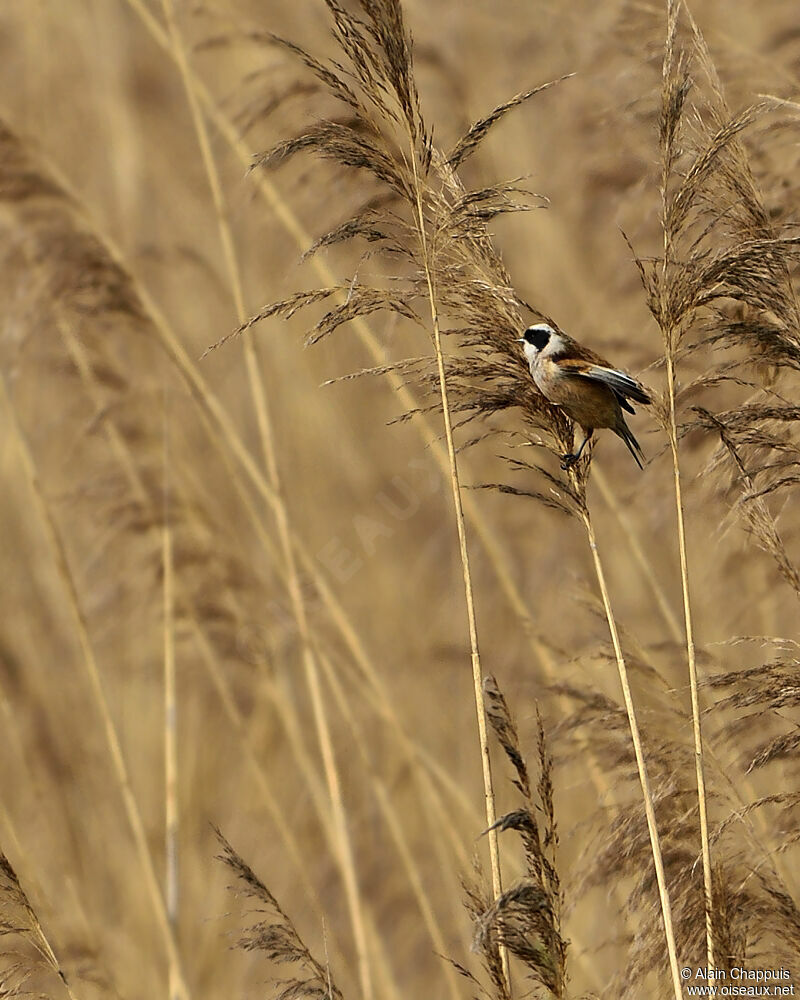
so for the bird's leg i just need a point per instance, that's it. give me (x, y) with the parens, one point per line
(584, 443)
(569, 460)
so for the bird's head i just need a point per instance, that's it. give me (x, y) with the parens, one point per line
(536, 338)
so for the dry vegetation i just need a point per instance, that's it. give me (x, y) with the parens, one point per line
(242, 588)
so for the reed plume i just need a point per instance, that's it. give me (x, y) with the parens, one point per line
(273, 934)
(526, 918)
(27, 952)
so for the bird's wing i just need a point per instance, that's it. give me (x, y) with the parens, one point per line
(623, 385)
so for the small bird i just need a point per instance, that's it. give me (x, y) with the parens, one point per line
(583, 384)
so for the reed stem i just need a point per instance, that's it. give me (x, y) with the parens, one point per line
(655, 842)
(477, 678)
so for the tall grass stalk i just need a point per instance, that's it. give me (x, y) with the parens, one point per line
(457, 216)
(669, 123)
(647, 795)
(259, 397)
(697, 733)
(645, 565)
(477, 677)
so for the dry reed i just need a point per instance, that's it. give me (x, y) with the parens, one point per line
(207, 585)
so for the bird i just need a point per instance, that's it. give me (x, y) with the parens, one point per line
(585, 386)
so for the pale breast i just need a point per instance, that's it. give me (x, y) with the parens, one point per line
(547, 376)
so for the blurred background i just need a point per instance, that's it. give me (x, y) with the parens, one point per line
(106, 437)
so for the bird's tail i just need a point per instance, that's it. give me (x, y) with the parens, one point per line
(623, 431)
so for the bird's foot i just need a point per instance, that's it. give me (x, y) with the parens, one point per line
(567, 461)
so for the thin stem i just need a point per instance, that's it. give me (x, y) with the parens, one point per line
(669, 322)
(477, 678)
(170, 717)
(655, 843)
(258, 393)
(708, 885)
(638, 553)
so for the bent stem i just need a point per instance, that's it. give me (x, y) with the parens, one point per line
(655, 842)
(477, 679)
